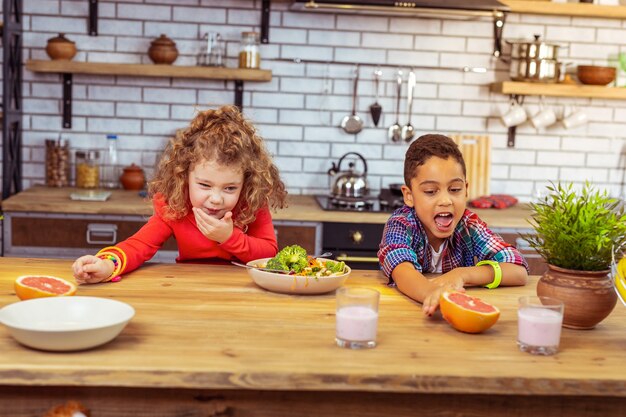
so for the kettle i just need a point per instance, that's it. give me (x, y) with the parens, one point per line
(349, 183)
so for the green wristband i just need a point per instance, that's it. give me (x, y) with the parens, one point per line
(497, 271)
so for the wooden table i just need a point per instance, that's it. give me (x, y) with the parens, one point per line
(207, 342)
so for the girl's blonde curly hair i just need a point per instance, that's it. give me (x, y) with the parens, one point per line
(228, 138)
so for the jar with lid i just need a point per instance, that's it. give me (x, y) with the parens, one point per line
(57, 163)
(249, 54)
(87, 169)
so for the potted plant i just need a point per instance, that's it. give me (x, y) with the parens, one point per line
(577, 233)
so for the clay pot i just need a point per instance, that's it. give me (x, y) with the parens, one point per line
(588, 296)
(133, 178)
(163, 50)
(61, 48)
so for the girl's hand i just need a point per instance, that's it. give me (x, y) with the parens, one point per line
(218, 230)
(90, 269)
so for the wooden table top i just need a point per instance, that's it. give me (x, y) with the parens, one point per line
(301, 208)
(202, 326)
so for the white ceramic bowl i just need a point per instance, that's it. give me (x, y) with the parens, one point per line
(66, 323)
(294, 284)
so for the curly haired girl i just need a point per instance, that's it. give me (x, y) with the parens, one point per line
(213, 189)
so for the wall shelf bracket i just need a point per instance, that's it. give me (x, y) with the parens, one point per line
(498, 26)
(510, 142)
(265, 21)
(93, 18)
(67, 101)
(239, 94)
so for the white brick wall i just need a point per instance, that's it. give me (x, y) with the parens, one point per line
(299, 110)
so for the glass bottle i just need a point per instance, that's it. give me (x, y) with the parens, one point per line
(87, 169)
(249, 55)
(110, 176)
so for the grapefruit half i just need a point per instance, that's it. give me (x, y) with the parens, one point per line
(37, 286)
(467, 314)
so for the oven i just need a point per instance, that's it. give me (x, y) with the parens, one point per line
(354, 243)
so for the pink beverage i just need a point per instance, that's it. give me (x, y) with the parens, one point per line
(357, 324)
(357, 317)
(539, 329)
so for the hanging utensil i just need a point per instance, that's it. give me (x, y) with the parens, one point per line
(395, 130)
(376, 109)
(408, 131)
(353, 123)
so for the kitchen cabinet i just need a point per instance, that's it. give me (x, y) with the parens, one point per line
(566, 9)
(536, 263)
(71, 235)
(306, 234)
(67, 68)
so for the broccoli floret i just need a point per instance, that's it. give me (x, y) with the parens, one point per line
(335, 267)
(293, 257)
(276, 263)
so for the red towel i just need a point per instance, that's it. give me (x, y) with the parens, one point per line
(497, 201)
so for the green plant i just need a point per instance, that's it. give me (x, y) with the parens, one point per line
(577, 230)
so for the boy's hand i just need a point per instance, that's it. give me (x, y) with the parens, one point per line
(218, 230)
(431, 302)
(453, 279)
(90, 269)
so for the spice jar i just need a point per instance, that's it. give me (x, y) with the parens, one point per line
(87, 169)
(249, 56)
(57, 163)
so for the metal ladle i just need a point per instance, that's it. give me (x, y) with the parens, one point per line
(408, 131)
(395, 130)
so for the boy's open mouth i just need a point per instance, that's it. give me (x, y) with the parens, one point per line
(444, 220)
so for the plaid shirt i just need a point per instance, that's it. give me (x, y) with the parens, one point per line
(404, 240)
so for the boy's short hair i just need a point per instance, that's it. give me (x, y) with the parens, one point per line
(427, 146)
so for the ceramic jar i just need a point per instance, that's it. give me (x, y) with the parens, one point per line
(588, 296)
(163, 50)
(61, 48)
(133, 178)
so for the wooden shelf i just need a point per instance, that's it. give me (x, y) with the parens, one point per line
(559, 90)
(149, 70)
(566, 9)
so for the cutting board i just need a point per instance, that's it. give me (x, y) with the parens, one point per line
(476, 150)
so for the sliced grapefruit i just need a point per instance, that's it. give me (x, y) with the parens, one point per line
(37, 286)
(467, 314)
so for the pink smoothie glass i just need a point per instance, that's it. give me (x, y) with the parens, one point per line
(357, 317)
(539, 325)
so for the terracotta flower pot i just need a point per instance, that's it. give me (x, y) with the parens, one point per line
(588, 296)
(163, 50)
(61, 48)
(133, 178)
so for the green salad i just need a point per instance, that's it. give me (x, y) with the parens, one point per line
(295, 260)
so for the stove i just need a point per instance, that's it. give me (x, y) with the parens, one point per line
(386, 201)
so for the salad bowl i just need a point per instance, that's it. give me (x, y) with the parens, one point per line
(295, 284)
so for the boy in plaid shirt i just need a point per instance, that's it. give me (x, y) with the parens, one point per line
(435, 233)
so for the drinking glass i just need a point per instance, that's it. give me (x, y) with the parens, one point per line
(357, 317)
(539, 324)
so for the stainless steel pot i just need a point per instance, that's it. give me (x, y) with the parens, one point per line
(536, 49)
(535, 70)
(349, 183)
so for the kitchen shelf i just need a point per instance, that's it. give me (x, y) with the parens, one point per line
(67, 68)
(566, 9)
(559, 90)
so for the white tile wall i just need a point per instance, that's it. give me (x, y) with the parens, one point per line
(299, 111)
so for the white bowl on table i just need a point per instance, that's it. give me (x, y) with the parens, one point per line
(295, 284)
(66, 323)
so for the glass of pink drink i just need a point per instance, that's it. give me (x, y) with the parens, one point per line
(357, 317)
(539, 325)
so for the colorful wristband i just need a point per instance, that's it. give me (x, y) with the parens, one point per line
(497, 272)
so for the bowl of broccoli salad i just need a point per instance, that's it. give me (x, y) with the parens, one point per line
(302, 274)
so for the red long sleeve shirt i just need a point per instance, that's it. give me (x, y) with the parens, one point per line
(259, 241)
